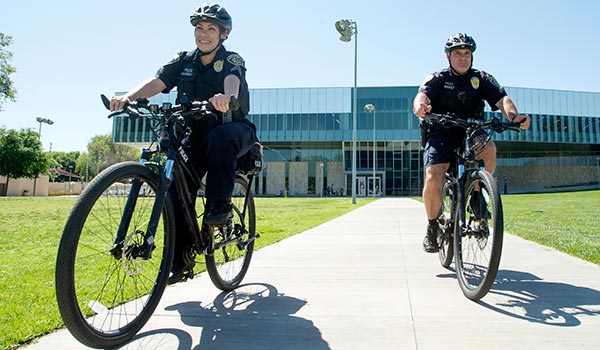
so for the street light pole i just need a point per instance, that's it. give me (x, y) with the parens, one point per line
(49, 122)
(374, 155)
(321, 165)
(347, 28)
(370, 109)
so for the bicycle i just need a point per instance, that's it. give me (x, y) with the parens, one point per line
(117, 246)
(471, 218)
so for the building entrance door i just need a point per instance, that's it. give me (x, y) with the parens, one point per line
(361, 188)
(375, 186)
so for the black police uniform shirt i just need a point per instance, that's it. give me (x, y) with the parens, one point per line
(462, 95)
(202, 82)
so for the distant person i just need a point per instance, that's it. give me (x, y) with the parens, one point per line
(463, 91)
(210, 73)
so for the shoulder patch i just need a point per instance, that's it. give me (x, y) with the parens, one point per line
(218, 66)
(494, 81)
(235, 59)
(175, 58)
(427, 79)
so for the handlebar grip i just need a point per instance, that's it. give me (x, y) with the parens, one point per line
(514, 126)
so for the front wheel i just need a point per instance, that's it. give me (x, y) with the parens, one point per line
(233, 242)
(479, 231)
(106, 290)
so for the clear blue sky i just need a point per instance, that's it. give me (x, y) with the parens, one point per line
(68, 52)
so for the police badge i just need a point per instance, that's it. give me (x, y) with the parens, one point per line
(218, 66)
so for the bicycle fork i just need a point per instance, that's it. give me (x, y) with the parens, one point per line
(463, 174)
(166, 178)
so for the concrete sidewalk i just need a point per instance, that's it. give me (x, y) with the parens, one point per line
(362, 281)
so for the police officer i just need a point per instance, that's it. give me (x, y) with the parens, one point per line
(461, 90)
(212, 73)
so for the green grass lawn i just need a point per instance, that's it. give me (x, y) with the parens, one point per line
(569, 222)
(30, 230)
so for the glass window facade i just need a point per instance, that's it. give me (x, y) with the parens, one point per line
(314, 125)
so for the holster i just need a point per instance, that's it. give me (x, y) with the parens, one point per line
(423, 126)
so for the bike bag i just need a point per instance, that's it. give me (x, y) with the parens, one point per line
(252, 162)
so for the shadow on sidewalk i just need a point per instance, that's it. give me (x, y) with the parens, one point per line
(254, 316)
(526, 296)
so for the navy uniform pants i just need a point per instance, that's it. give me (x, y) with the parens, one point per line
(215, 154)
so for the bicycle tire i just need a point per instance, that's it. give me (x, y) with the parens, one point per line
(228, 264)
(446, 225)
(106, 297)
(478, 240)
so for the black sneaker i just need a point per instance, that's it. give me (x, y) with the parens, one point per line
(179, 274)
(430, 244)
(219, 213)
(183, 266)
(478, 206)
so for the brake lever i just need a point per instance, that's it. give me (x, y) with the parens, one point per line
(133, 113)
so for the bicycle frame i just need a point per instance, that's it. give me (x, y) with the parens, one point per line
(469, 232)
(175, 170)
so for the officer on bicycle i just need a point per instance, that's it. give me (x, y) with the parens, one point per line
(460, 90)
(211, 73)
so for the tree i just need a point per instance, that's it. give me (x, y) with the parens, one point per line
(7, 90)
(64, 160)
(21, 154)
(103, 152)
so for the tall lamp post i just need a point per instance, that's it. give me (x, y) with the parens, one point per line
(321, 165)
(370, 109)
(347, 28)
(46, 121)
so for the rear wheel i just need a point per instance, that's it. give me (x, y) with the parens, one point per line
(107, 292)
(478, 235)
(446, 224)
(233, 242)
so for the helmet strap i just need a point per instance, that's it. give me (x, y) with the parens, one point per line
(202, 53)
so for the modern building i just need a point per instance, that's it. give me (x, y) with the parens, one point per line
(307, 135)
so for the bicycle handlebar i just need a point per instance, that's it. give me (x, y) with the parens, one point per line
(494, 123)
(191, 109)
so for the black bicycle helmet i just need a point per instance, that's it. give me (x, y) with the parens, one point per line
(460, 41)
(212, 13)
